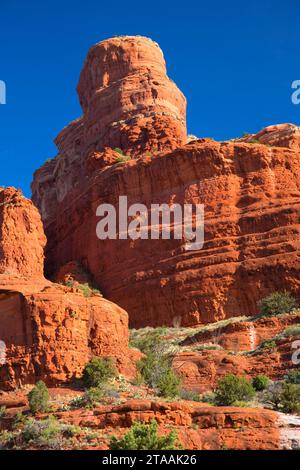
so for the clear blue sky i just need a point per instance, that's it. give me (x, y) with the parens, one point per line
(235, 62)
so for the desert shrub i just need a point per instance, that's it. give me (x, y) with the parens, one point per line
(38, 398)
(169, 384)
(144, 437)
(48, 433)
(290, 398)
(260, 382)
(189, 395)
(254, 141)
(231, 389)
(292, 331)
(148, 341)
(122, 159)
(157, 373)
(2, 412)
(90, 399)
(277, 303)
(88, 289)
(293, 377)
(208, 397)
(98, 371)
(272, 395)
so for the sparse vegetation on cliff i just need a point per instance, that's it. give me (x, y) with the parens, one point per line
(277, 303)
(260, 382)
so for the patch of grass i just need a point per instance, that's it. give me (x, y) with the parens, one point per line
(190, 395)
(260, 382)
(85, 288)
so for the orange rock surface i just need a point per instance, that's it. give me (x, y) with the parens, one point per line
(238, 348)
(198, 426)
(251, 200)
(50, 331)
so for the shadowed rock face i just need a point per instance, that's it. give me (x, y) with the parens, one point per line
(50, 331)
(249, 188)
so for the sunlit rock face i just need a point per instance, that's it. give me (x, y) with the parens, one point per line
(48, 331)
(249, 188)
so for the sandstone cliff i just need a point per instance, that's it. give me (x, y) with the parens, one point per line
(50, 331)
(249, 188)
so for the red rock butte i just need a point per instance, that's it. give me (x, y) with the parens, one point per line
(249, 187)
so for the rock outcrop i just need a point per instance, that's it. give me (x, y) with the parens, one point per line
(251, 200)
(280, 135)
(198, 426)
(50, 331)
(22, 238)
(249, 188)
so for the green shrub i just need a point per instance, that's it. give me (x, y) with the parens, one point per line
(189, 395)
(232, 389)
(272, 395)
(48, 433)
(38, 398)
(290, 398)
(169, 384)
(144, 437)
(90, 399)
(98, 371)
(260, 382)
(277, 303)
(118, 150)
(2, 412)
(293, 377)
(149, 340)
(158, 373)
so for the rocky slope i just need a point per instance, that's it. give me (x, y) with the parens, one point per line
(50, 331)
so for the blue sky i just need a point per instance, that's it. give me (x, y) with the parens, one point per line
(235, 62)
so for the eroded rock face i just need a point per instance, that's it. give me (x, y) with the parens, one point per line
(22, 238)
(128, 103)
(251, 201)
(127, 98)
(49, 331)
(280, 135)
